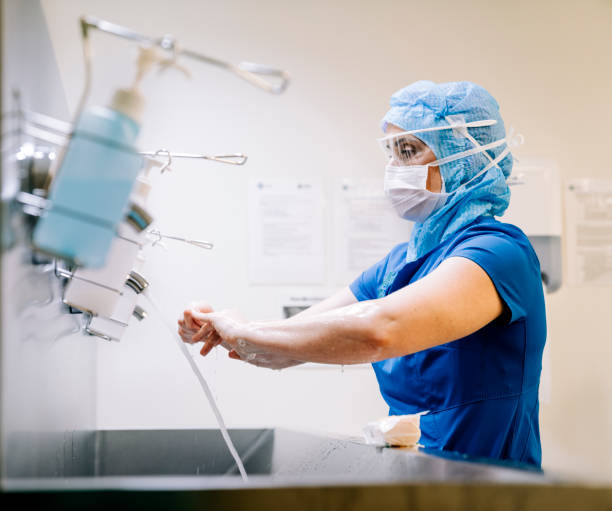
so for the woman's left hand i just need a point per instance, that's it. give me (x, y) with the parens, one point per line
(224, 327)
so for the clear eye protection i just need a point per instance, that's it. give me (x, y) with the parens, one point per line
(404, 148)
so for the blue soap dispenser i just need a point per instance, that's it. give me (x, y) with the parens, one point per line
(90, 192)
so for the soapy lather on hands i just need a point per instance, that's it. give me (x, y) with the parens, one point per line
(201, 324)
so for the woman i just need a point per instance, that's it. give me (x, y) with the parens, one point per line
(453, 321)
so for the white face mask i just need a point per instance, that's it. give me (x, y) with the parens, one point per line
(406, 188)
(406, 185)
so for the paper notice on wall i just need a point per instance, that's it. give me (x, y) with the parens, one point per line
(588, 213)
(286, 232)
(366, 227)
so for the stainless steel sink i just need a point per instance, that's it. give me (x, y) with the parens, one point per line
(191, 469)
(134, 453)
(269, 456)
(181, 452)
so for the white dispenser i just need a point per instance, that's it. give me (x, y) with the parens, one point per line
(535, 207)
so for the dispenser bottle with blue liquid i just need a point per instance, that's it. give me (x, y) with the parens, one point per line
(90, 192)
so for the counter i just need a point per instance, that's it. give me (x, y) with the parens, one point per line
(188, 469)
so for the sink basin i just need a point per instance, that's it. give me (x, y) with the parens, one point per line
(182, 452)
(192, 469)
(269, 456)
(135, 453)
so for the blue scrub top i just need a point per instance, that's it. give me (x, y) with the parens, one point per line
(481, 390)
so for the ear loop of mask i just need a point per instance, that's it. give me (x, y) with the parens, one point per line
(494, 163)
(458, 123)
(469, 152)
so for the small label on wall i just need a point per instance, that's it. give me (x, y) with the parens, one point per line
(588, 213)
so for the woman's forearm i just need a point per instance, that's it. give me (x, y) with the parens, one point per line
(347, 335)
(342, 298)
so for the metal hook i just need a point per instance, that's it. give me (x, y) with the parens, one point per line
(230, 159)
(197, 243)
(249, 71)
(166, 166)
(169, 44)
(155, 232)
(57, 132)
(95, 333)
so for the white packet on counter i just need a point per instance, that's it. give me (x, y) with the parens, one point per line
(399, 430)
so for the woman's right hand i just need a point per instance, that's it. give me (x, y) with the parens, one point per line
(189, 325)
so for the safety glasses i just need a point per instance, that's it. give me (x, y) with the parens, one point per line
(404, 148)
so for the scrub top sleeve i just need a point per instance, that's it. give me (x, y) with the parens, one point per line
(365, 287)
(509, 267)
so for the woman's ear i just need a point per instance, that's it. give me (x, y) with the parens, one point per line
(434, 180)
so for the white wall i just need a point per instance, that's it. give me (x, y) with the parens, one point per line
(548, 65)
(48, 377)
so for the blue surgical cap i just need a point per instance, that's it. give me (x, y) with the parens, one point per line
(426, 104)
